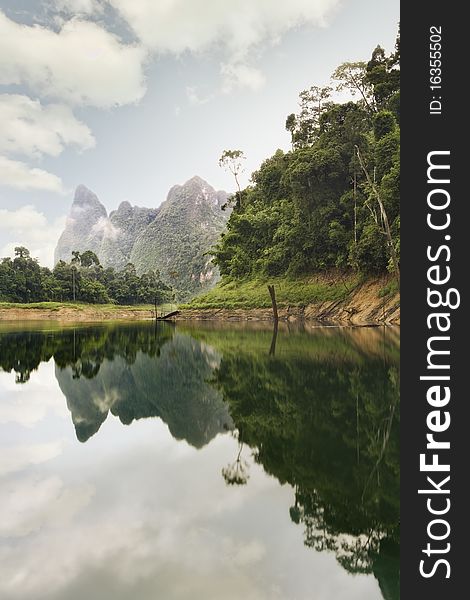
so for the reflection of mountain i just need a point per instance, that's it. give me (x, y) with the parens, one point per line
(173, 386)
(133, 371)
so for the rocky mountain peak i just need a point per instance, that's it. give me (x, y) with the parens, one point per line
(198, 181)
(193, 194)
(173, 238)
(124, 207)
(84, 226)
(176, 243)
(85, 198)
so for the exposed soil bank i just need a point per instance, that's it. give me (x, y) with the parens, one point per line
(87, 314)
(362, 306)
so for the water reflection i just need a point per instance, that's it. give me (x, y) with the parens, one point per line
(320, 414)
(330, 429)
(168, 379)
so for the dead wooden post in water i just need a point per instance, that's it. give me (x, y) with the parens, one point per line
(272, 349)
(272, 293)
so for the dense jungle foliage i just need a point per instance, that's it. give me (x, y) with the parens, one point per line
(333, 200)
(83, 279)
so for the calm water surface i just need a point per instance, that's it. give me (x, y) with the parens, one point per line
(208, 462)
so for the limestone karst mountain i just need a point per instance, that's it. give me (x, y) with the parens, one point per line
(188, 223)
(84, 227)
(173, 238)
(88, 227)
(125, 225)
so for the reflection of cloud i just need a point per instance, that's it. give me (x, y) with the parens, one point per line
(248, 554)
(161, 524)
(29, 504)
(16, 458)
(28, 404)
(105, 401)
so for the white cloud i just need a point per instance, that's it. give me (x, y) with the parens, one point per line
(177, 25)
(30, 504)
(32, 129)
(239, 29)
(20, 176)
(28, 227)
(194, 98)
(81, 64)
(104, 226)
(241, 76)
(44, 253)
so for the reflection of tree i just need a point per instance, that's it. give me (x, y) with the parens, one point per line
(82, 349)
(329, 427)
(272, 349)
(355, 552)
(22, 353)
(236, 473)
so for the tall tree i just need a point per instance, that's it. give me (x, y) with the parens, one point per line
(89, 258)
(352, 76)
(232, 161)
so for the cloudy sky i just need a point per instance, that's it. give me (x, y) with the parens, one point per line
(131, 97)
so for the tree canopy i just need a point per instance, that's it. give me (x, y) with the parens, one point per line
(83, 279)
(317, 207)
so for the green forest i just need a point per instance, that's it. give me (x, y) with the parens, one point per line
(332, 201)
(81, 279)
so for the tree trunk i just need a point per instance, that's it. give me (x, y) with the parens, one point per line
(355, 207)
(239, 193)
(272, 349)
(383, 214)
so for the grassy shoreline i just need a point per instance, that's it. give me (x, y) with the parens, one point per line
(69, 305)
(253, 293)
(332, 296)
(77, 311)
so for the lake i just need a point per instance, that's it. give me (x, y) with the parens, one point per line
(199, 461)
